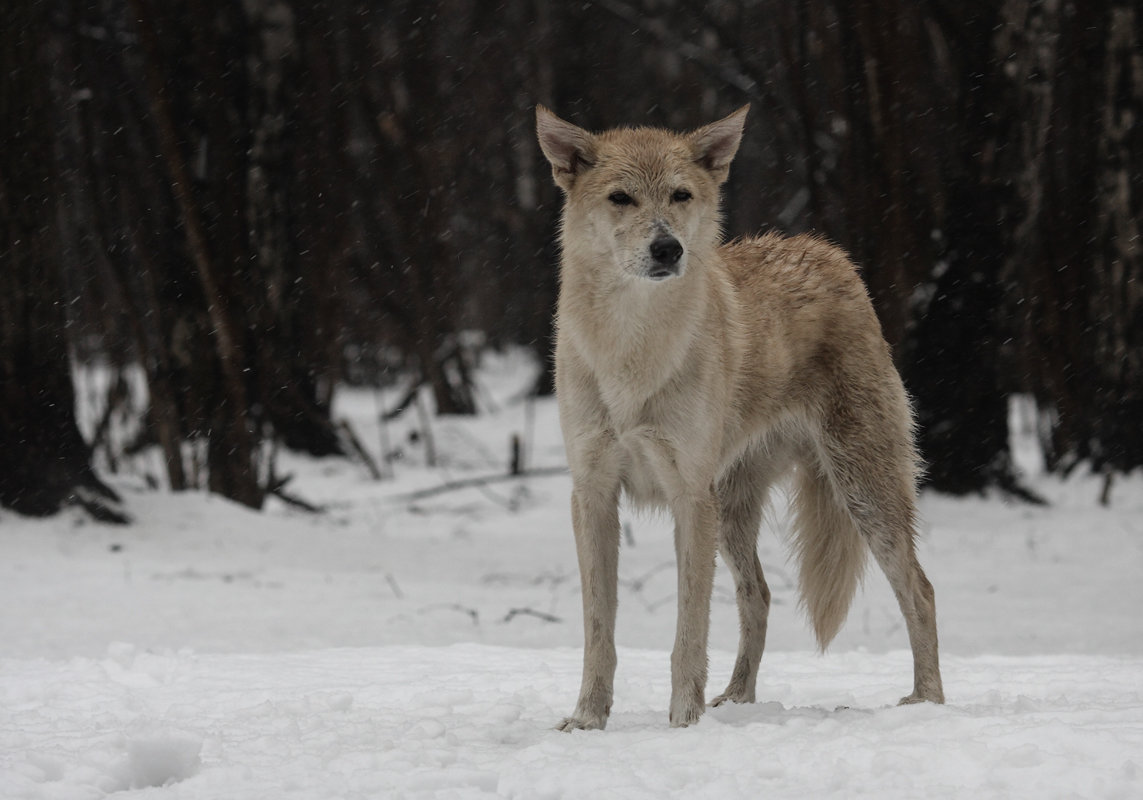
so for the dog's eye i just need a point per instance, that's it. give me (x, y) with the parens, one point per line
(681, 196)
(620, 198)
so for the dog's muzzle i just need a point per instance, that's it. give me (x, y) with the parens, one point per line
(666, 253)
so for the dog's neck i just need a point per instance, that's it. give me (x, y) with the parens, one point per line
(630, 331)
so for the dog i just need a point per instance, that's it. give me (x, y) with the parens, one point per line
(693, 375)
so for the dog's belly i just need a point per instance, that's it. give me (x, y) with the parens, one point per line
(647, 473)
(649, 466)
(642, 490)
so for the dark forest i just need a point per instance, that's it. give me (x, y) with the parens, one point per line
(256, 202)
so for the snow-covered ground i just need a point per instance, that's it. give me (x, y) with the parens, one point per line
(423, 645)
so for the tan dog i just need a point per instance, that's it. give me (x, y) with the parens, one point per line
(692, 376)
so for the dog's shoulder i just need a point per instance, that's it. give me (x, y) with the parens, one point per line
(777, 252)
(774, 263)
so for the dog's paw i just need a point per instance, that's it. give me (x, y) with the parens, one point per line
(581, 723)
(686, 711)
(916, 697)
(732, 696)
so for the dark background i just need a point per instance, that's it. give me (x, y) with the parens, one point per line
(255, 201)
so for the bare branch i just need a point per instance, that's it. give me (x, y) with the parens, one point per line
(471, 483)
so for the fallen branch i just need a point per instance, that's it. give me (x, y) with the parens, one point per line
(406, 400)
(355, 445)
(1105, 492)
(426, 431)
(530, 612)
(1010, 485)
(277, 487)
(471, 613)
(117, 396)
(393, 585)
(296, 502)
(471, 483)
(100, 502)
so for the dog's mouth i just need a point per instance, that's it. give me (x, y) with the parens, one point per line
(660, 272)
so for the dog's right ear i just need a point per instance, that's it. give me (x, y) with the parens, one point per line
(715, 144)
(570, 149)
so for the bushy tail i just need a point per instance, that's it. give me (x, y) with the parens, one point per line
(830, 553)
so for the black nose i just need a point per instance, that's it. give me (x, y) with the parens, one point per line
(666, 250)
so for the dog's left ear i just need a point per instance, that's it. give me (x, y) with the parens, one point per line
(568, 148)
(714, 145)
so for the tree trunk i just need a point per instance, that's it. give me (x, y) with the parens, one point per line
(883, 50)
(285, 294)
(1116, 304)
(233, 442)
(1078, 72)
(44, 461)
(955, 368)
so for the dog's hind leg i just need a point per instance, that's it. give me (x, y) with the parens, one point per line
(915, 596)
(879, 493)
(892, 543)
(890, 537)
(742, 494)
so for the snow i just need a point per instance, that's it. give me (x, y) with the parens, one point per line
(473, 720)
(425, 647)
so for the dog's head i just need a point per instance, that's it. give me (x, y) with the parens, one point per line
(645, 198)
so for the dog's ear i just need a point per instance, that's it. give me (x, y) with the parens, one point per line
(570, 149)
(714, 145)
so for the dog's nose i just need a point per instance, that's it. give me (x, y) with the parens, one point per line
(666, 250)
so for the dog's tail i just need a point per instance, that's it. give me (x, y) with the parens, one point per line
(830, 552)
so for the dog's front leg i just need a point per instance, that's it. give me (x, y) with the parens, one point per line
(696, 541)
(595, 518)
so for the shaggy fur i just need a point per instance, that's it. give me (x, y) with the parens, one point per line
(692, 376)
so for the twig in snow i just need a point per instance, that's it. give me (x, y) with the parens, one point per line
(521, 579)
(277, 488)
(406, 400)
(530, 612)
(511, 503)
(529, 428)
(101, 503)
(117, 396)
(517, 459)
(470, 483)
(1011, 486)
(296, 502)
(393, 585)
(427, 431)
(637, 584)
(471, 612)
(1105, 493)
(355, 444)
